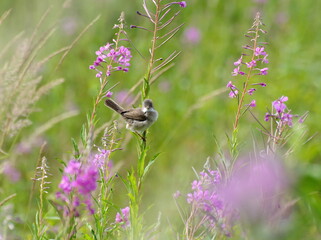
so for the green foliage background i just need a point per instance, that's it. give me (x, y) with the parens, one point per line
(185, 141)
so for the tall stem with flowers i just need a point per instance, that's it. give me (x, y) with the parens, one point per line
(248, 66)
(85, 169)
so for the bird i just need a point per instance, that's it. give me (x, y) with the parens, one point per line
(137, 119)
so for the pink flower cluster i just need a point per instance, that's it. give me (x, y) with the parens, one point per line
(107, 54)
(283, 115)
(206, 198)
(123, 217)
(77, 184)
(260, 56)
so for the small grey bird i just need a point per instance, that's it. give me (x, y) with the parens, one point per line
(138, 119)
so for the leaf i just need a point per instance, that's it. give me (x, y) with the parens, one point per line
(83, 135)
(151, 162)
(76, 148)
(56, 207)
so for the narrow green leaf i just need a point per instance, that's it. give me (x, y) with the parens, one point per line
(151, 162)
(76, 148)
(83, 135)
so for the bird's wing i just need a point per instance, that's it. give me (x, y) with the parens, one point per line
(134, 114)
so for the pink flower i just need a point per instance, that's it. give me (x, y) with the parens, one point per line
(259, 51)
(252, 103)
(263, 71)
(120, 57)
(261, 84)
(251, 91)
(182, 4)
(123, 217)
(233, 93)
(251, 64)
(279, 105)
(230, 85)
(108, 94)
(77, 184)
(238, 62)
(237, 71)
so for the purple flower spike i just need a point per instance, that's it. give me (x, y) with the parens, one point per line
(107, 54)
(251, 61)
(77, 184)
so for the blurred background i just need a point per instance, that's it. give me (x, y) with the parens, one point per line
(193, 105)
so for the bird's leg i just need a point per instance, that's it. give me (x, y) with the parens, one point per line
(141, 136)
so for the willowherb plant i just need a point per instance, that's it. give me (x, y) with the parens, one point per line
(209, 212)
(250, 64)
(281, 119)
(78, 183)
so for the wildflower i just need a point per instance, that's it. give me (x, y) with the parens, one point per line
(108, 94)
(279, 105)
(110, 56)
(251, 91)
(72, 167)
(263, 71)
(182, 4)
(123, 217)
(259, 51)
(77, 184)
(261, 84)
(238, 62)
(230, 85)
(233, 93)
(282, 117)
(252, 104)
(101, 158)
(206, 199)
(251, 64)
(237, 71)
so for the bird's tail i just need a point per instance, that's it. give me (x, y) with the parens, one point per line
(111, 104)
